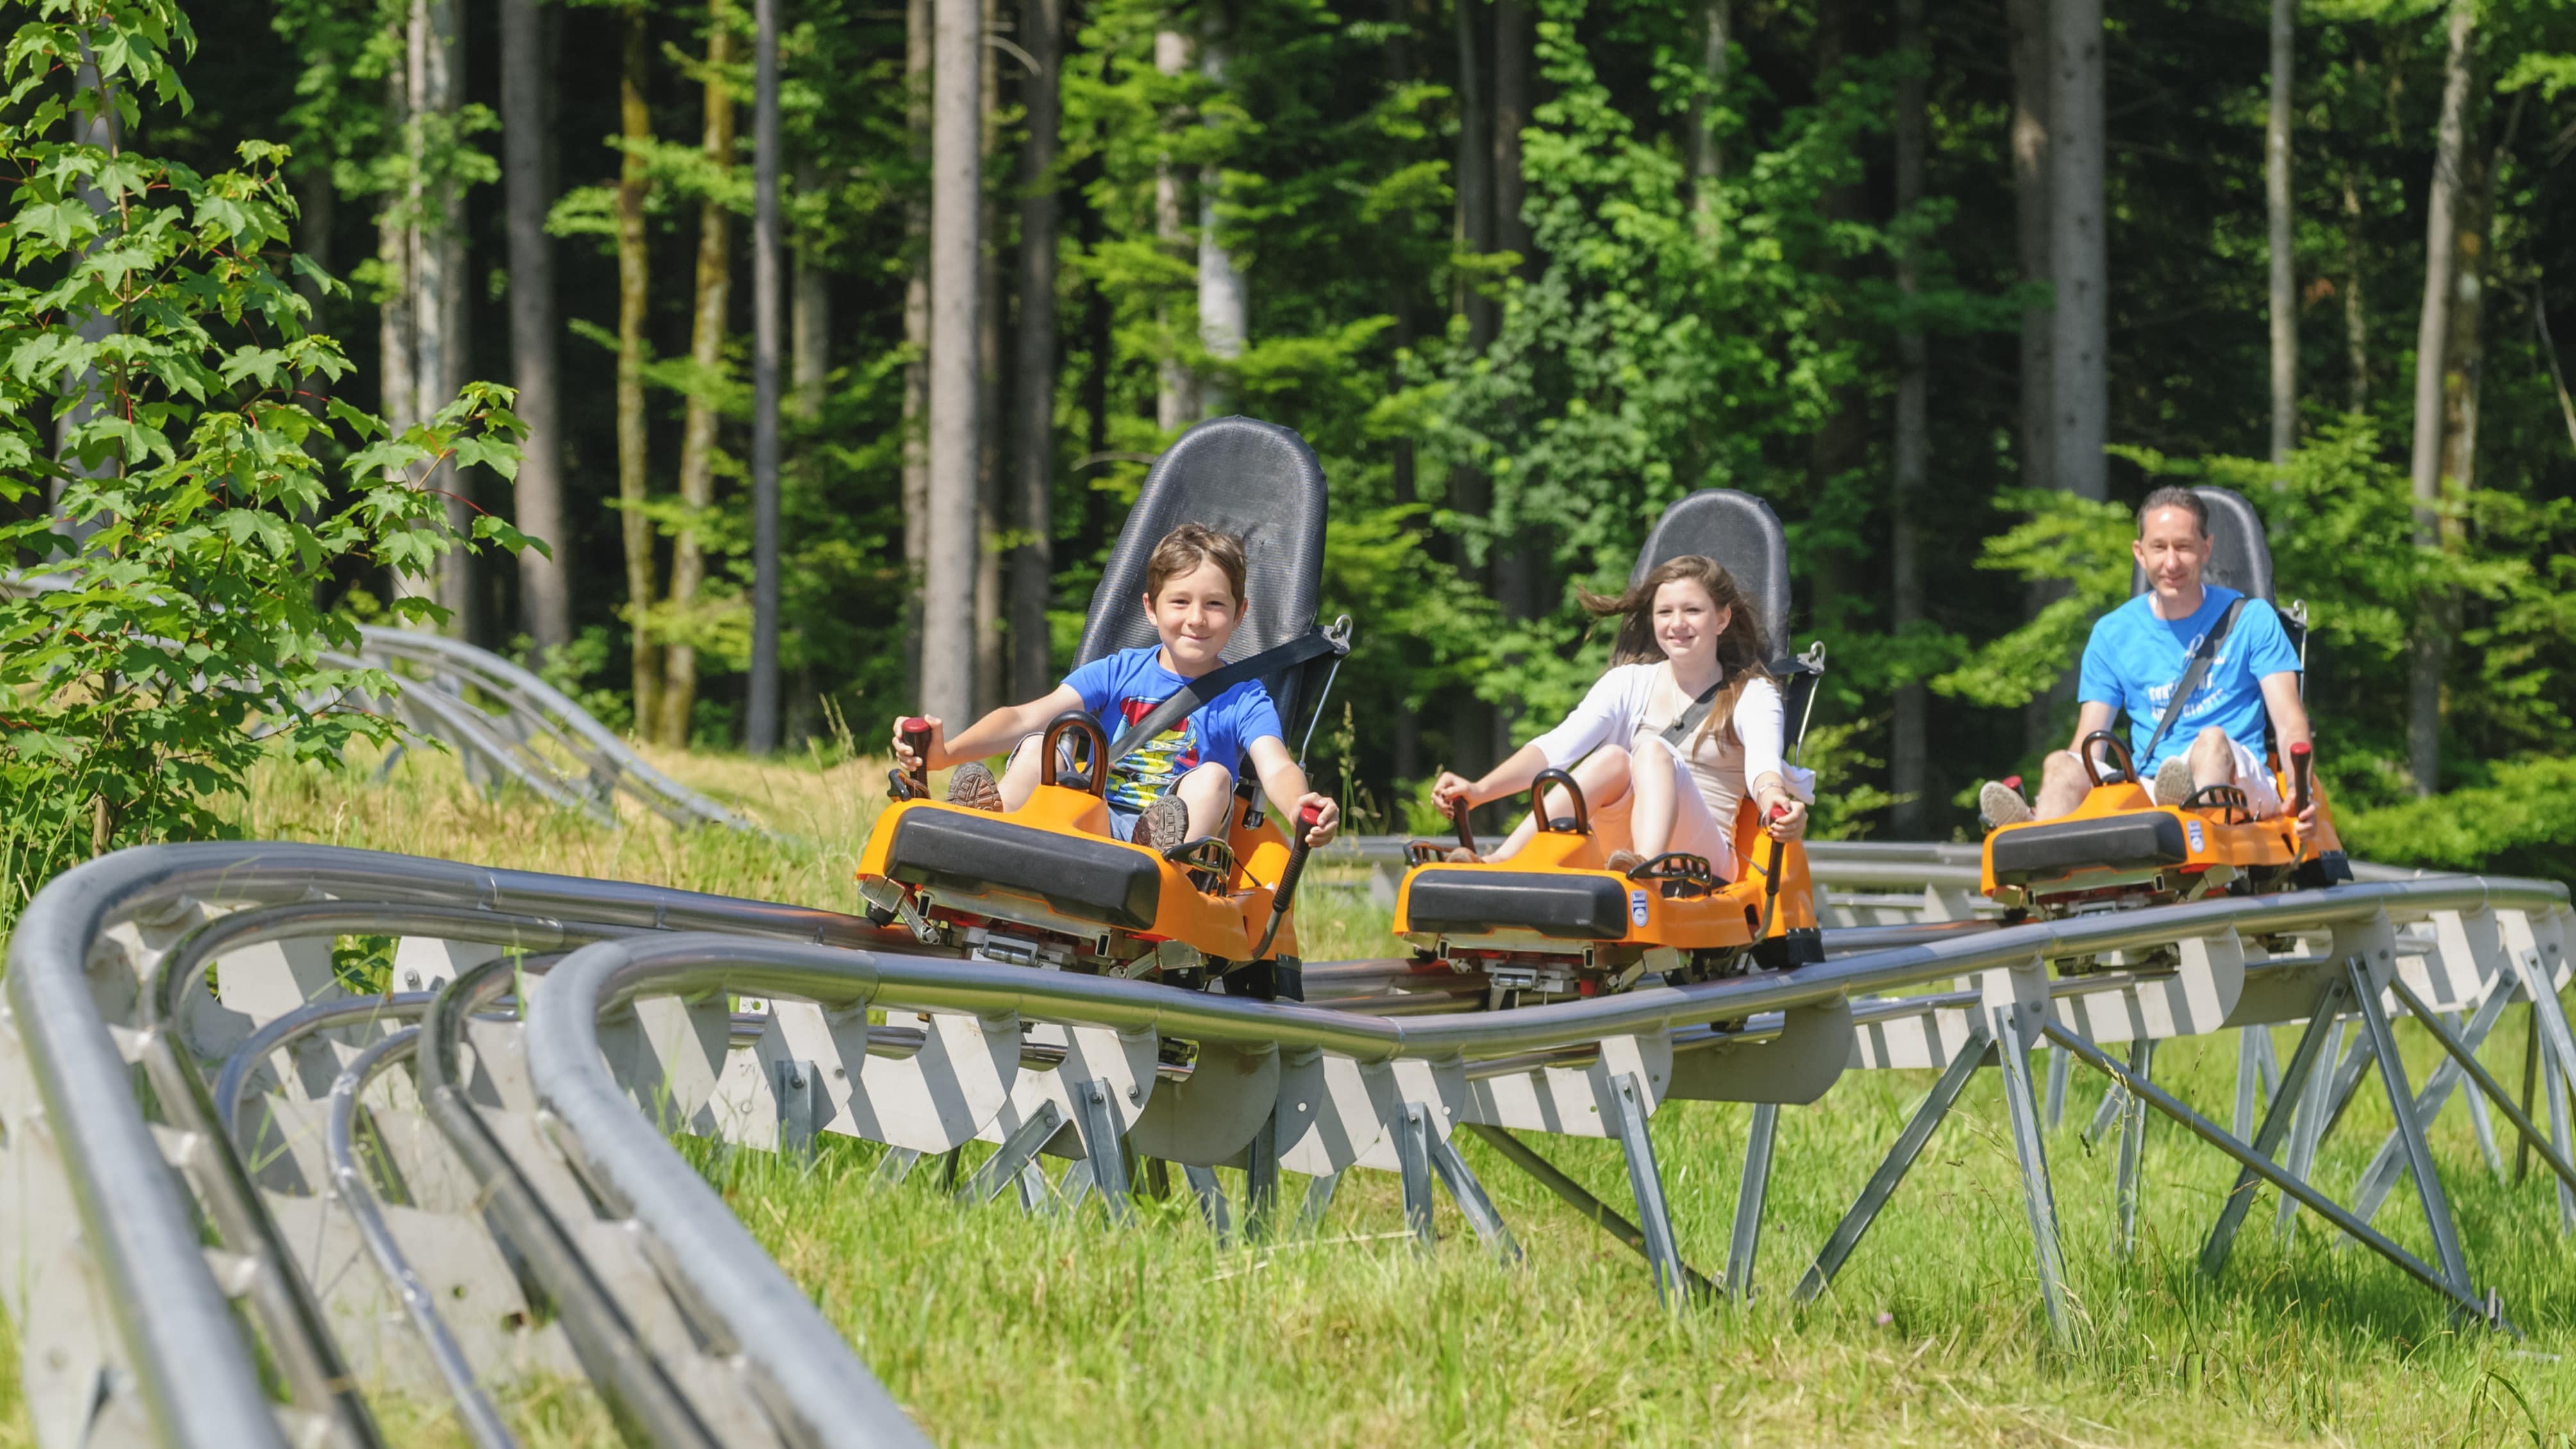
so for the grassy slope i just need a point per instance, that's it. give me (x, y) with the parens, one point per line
(997, 1329)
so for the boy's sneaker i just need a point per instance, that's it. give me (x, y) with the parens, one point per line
(1164, 824)
(2001, 804)
(2173, 781)
(972, 787)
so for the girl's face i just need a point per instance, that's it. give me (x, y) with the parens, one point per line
(1687, 623)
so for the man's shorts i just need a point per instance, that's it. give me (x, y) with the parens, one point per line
(2256, 780)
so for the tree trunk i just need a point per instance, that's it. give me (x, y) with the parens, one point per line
(948, 585)
(990, 645)
(1908, 756)
(706, 364)
(2035, 457)
(1033, 394)
(545, 594)
(1225, 311)
(95, 124)
(2079, 259)
(809, 312)
(1473, 723)
(634, 282)
(317, 207)
(1707, 156)
(760, 712)
(916, 337)
(398, 396)
(1176, 401)
(2284, 269)
(2356, 317)
(1839, 448)
(1511, 117)
(2429, 651)
(436, 61)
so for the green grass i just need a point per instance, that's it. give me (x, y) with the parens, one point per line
(995, 1328)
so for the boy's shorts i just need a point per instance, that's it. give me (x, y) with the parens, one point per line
(1122, 823)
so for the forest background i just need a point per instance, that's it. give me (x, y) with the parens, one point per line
(1950, 285)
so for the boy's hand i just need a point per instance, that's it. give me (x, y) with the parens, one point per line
(1329, 818)
(1449, 789)
(932, 758)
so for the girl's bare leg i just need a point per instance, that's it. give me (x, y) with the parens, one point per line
(1604, 776)
(1650, 822)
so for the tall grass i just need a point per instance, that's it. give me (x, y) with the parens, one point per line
(999, 1328)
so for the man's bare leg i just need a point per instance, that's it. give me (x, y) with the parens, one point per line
(2063, 784)
(2213, 759)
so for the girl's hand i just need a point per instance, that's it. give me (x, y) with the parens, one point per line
(1788, 826)
(1449, 789)
(937, 753)
(1325, 827)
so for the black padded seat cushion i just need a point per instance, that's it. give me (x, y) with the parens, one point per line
(2240, 556)
(1241, 476)
(1087, 879)
(2143, 841)
(1571, 907)
(1742, 533)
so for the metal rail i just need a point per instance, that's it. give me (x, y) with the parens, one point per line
(108, 962)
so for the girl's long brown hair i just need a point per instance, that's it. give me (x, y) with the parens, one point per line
(1741, 655)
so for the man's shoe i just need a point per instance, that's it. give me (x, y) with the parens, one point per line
(1461, 855)
(1624, 861)
(2173, 781)
(972, 787)
(2001, 804)
(1164, 824)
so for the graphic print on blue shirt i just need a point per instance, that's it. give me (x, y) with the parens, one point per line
(1126, 686)
(2134, 662)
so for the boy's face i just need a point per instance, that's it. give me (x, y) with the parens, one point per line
(1195, 613)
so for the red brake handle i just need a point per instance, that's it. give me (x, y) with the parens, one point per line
(916, 737)
(2300, 764)
(1308, 818)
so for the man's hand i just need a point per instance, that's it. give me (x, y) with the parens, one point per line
(1329, 817)
(1790, 824)
(1449, 789)
(934, 758)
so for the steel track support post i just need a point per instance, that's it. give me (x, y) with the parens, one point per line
(1646, 1182)
(2464, 1054)
(1261, 1180)
(2530, 1087)
(1017, 1151)
(2262, 1165)
(2419, 1153)
(2058, 1065)
(896, 1165)
(2105, 1113)
(1413, 1167)
(2307, 1129)
(1036, 1195)
(2479, 1121)
(2276, 1124)
(1102, 1150)
(795, 1083)
(1212, 1204)
(2557, 1066)
(1521, 1155)
(1891, 1172)
(2347, 1079)
(2030, 1148)
(2389, 1163)
(1473, 1204)
(1319, 1201)
(1752, 1191)
(2133, 1139)
(2247, 1075)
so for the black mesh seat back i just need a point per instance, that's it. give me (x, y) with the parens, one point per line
(1744, 536)
(1241, 476)
(2240, 558)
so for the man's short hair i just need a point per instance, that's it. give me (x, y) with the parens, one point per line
(2170, 496)
(1187, 547)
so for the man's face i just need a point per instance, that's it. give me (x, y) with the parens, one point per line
(2172, 550)
(1195, 613)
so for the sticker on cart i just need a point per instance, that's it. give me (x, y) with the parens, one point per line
(2198, 841)
(1637, 907)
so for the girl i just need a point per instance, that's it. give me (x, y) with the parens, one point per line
(1685, 723)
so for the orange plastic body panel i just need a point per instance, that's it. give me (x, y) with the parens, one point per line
(1226, 926)
(1716, 921)
(2209, 837)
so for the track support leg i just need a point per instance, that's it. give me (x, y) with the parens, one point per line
(1413, 1163)
(1102, 1150)
(2389, 1163)
(2133, 1138)
(1211, 1196)
(2022, 1107)
(1469, 1195)
(1647, 1183)
(1018, 1150)
(1319, 1201)
(2276, 1124)
(2059, 1064)
(896, 1165)
(2557, 1066)
(1261, 1181)
(1891, 1172)
(1751, 1191)
(2419, 1153)
(2464, 1055)
(2307, 1131)
(2479, 1121)
(1521, 1155)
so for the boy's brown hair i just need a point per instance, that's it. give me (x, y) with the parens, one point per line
(1185, 548)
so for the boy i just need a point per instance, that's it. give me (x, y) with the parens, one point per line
(1179, 785)
(2136, 658)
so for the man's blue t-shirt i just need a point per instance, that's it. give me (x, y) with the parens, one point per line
(1120, 689)
(2134, 660)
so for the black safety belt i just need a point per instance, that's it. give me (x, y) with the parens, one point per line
(2191, 677)
(1692, 713)
(1185, 701)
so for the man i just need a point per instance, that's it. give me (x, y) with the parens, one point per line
(2136, 659)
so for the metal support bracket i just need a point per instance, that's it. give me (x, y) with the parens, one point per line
(1752, 1191)
(1102, 1150)
(1017, 1152)
(1900, 1160)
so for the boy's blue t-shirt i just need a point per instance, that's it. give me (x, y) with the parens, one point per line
(2134, 660)
(1122, 688)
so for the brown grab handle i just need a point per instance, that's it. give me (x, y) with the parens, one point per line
(1074, 719)
(2084, 752)
(1573, 792)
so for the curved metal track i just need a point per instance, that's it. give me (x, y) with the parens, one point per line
(440, 1192)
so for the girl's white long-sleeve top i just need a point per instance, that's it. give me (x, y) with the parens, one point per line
(1634, 703)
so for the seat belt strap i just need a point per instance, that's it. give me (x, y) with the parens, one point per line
(1186, 700)
(2192, 676)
